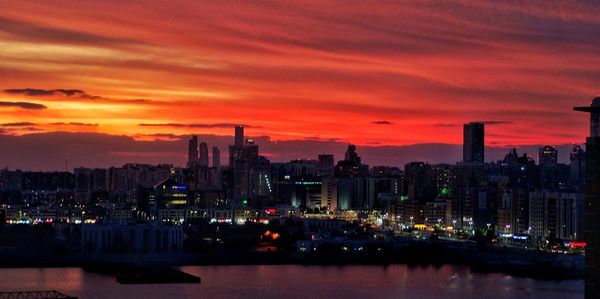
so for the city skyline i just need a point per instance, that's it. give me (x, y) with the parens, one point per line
(47, 152)
(306, 148)
(297, 71)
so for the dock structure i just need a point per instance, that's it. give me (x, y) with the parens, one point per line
(34, 295)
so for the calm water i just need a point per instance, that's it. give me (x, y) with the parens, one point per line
(293, 281)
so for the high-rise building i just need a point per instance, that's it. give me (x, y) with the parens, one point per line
(548, 156)
(239, 136)
(419, 182)
(554, 214)
(249, 172)
(473, 144)
(577, 167)
(329, 193)
(591, 230)
(216, 157)
(192, 150)
(325, 165)
(203, 154)
(351, 154)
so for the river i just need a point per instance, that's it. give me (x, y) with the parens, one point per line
(295, 281)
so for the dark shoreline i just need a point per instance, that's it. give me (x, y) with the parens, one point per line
(512, 262)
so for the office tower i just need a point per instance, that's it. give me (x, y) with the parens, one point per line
(577, 167)
(192, 151)
(548, 165)
(325, 165)
(250, 176)
(420, 183)
(239, 136)
(548, 156)
(329, 193)
(591, 230)
(203, 154)
(216, 157)
(351, 154)
(473, 144)
(554, 215)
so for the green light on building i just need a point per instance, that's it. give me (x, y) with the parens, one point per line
(245, 202)
(445, 192)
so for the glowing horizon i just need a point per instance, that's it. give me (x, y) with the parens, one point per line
(366, 73)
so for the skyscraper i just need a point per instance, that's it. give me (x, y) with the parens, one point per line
(239, 136)
(548, 156)
(577, 165)
(192, 151)
(473, 144)
(203, 159)
(325, 165)
(216, 157)
(591, 226)
(351, 154)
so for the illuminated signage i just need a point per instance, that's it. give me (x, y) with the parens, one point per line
(577, 244)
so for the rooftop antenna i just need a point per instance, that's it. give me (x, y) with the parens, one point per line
(67, 162)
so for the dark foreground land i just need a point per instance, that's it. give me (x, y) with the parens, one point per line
(41, 247)
(521, 263)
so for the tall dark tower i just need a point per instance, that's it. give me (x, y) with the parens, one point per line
(473, 143)
(591, 223)
(239, 136)
(216, 157)
(192, 151)
(203, 154)
(548, 156)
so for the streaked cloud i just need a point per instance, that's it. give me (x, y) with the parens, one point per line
(23, 105)
(19, 124)
(382, 122)
(297, 69)
(178, 125)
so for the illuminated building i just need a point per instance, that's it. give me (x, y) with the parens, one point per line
(170, 194)
(329, 193)
(438, 213)
(548, 156)
(577, 168)
(554, 214)
(591, 233)
(125, 180)
(249, 172)
(351, 166)
(91, 185)
(550, 171)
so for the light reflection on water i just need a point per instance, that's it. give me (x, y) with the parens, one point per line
(294, 281)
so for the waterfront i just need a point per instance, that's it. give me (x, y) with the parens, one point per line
(295, 281)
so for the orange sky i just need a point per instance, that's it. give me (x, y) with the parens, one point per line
(366, 72)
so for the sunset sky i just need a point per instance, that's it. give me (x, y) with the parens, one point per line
(367, 72)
